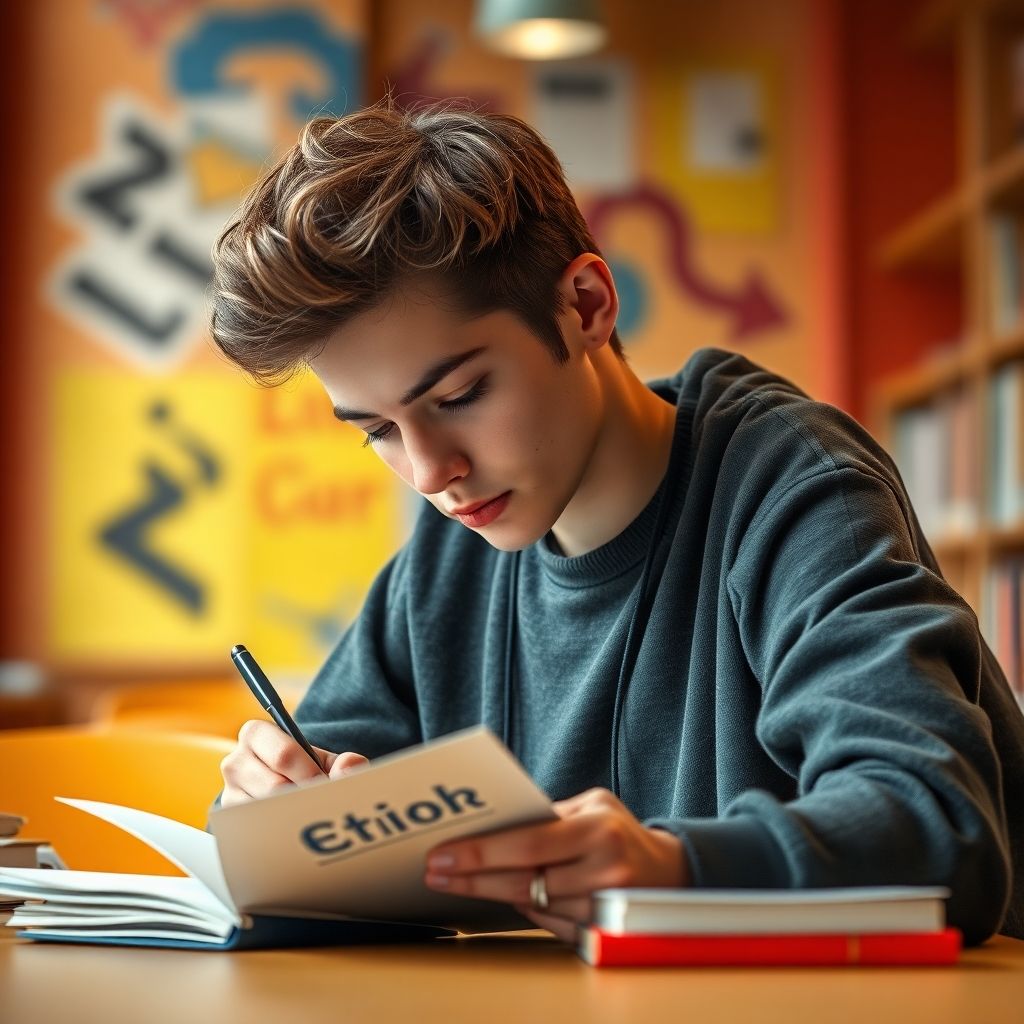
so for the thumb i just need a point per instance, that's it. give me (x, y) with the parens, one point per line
(338, 765)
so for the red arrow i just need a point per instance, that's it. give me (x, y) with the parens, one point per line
(753, 308)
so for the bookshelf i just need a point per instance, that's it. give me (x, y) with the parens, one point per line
(955, 423)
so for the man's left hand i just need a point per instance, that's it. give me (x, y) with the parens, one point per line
(595, 844)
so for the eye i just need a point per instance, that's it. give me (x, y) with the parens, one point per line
(477, 391)
(378, 435)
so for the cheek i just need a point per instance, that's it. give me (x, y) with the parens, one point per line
(393, 456)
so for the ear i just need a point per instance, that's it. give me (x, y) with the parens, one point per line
(590, 300)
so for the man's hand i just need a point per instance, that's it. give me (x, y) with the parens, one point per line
(595, 844)
(267, 759)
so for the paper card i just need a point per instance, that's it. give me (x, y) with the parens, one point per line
(358, 845)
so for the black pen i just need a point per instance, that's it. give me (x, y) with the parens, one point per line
(269, 699)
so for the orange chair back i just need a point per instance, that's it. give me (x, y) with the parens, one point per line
(176, 775)
(214, 706)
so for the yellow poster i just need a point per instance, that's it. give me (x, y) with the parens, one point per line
(194, 511)
(716, 141)
(146, 513)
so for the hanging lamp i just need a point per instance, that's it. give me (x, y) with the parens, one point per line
(541, 29)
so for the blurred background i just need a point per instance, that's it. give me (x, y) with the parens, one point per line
(833, 188)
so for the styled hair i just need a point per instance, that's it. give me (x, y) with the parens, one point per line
(362, 204)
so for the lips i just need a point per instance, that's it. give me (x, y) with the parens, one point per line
(483, 512)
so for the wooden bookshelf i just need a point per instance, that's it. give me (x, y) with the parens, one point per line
(956, 231)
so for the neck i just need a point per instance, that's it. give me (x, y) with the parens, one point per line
(628, 463)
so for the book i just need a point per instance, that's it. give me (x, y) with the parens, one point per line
(334, 861)
(770, 911)
(869, 925)
(10, 824)
(606, 949)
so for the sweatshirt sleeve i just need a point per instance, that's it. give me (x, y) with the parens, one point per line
(363, 698)
(869, 665)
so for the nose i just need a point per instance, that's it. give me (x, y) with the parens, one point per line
(434, 461)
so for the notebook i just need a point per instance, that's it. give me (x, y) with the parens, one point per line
(334, 861)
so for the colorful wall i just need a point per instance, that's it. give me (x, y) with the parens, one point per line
(163, 508)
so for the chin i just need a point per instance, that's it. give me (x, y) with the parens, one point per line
(509, 538)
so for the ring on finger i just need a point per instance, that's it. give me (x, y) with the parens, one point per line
(539, 890)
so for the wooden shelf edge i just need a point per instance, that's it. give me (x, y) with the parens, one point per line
(915, 243)
(1003, 173)
(1007, 538)
(943, 370)
(1006, 347)
(936, 21)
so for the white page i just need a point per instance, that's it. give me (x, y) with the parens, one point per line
(190, 849)
(140, 893)
(469, 779)
(42, 917)
(771, 911)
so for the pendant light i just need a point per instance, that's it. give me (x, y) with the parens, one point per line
(541, 29)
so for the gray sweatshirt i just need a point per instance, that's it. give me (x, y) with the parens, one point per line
(767, 662)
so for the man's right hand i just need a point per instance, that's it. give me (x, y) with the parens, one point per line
(266, 760)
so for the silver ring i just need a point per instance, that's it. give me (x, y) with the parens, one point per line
(539, 891)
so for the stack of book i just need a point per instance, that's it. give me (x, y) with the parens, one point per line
(769, 927)
(18, 852)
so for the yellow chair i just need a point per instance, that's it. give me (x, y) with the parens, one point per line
(173, 774)
(215, 706)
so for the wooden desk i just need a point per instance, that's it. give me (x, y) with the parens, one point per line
(521, 978)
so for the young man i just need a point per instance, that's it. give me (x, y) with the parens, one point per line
(701, 612)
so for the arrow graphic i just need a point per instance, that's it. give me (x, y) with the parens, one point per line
(127, 537)
(752, 307)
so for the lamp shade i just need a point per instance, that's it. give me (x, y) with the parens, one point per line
(541, 29)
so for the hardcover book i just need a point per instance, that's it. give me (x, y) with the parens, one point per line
(769, 927)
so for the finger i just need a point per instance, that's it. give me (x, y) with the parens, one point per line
(243, 770)
(529, 847)
(338, 765)
(503, 886)
(587, 802)
(575, 880)
(278, 751)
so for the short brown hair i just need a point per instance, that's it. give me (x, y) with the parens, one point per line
(362, 203)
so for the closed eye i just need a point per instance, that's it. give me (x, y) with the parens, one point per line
(375, 436)
(451, 405)
(477, 391)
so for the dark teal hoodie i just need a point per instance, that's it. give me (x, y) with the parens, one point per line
(799, 696)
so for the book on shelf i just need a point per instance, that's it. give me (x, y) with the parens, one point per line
(827, 927)
(332, 862)
(1007, 447)
(1006, 240)
(1003, 619)
(934, 448)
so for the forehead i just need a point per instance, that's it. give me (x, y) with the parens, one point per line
(378, 355)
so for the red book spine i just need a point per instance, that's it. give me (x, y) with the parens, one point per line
(603, 949)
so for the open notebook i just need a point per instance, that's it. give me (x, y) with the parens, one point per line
(331, 862)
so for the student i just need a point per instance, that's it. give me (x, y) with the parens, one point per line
(701, 612)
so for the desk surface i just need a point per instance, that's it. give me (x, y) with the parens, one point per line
(488, 978)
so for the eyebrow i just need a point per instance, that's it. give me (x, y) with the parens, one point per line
(431, 378)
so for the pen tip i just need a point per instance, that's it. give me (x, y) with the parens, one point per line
(237, 649)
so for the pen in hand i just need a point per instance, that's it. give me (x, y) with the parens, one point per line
(269, 699)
